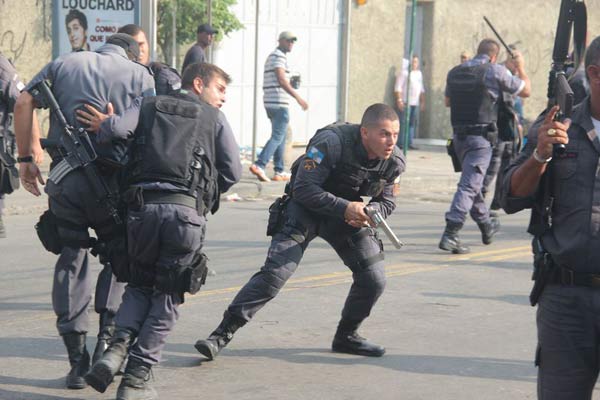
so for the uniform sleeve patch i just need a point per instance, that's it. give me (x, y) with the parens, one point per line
(315, 154)
(309, 165)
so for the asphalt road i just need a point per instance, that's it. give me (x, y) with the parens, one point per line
(455, 326)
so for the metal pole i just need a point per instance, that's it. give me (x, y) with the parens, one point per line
(209, 18)
(255, 108)
(174, 33)
(411, 44)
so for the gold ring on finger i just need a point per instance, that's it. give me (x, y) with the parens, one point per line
(551, 132)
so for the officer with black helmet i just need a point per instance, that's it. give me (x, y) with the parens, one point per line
(105, 76)
(342, 163)
(472, 93)
(183, 156)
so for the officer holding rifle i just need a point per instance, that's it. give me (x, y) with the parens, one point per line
(82, 182)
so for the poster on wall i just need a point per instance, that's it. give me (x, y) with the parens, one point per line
(85, 24)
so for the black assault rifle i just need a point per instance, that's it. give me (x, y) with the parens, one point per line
(76, 151)
(572, 18)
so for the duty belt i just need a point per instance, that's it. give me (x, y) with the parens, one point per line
(159, 197)
(568, 277)
(476, 130)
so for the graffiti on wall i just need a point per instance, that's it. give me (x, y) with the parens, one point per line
(13, 44)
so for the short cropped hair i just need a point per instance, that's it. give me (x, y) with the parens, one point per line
(76, 14)
(130, 29)
(376, 113)
(489, 47)
(592, 54)
(204, 71)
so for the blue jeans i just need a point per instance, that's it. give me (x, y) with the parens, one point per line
(412, 125)
(275, 146)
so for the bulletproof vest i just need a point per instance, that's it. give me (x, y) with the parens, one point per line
(167, 80)
(350, 179)
(175, 143)
(470, 101)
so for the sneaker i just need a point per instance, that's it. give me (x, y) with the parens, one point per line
(282, 176)
(260, 173)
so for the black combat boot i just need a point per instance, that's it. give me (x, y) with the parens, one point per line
(134, 384)
(211, 346)
(450, 240)
(104, 370)
(347, 340)
(79, 358)
(105, 332)
(489, 229)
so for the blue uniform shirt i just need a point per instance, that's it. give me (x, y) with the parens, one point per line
(498, 78)
(95, 78)
(308, 181)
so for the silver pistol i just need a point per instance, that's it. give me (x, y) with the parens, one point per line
(380, 223)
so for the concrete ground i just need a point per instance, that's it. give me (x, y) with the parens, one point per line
(455, 327)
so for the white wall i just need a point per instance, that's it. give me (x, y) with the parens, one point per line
(316, 56)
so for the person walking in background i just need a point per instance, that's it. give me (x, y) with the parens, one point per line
(277, 90)
(415, 99)
(197, 53)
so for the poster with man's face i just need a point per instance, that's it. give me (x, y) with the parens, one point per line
(85, 24)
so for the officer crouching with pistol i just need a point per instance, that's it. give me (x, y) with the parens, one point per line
(563, 192)
(183, 156)
(323, 198)
(77, 176)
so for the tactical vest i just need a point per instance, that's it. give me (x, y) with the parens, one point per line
(470, 102)
(175, 143)
(350, 179)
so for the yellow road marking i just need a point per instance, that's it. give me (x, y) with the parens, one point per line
(336, 278)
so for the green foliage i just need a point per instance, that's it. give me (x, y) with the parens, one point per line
(191, 13)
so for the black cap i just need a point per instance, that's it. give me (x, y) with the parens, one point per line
(206, 28)
(125, 41)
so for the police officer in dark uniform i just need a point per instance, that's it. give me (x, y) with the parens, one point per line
(342, 163)
(183, 156)
(167, 80)
(106, 76)
(472, 93)
(10, 87)
(563, 192)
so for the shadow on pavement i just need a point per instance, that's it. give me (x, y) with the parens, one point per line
(521, 300)
(473, 367)
(19, 395)
(40, 348)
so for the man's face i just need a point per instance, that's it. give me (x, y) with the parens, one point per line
(214, 92)
(286, 45)
(205, 39)
(379, 139)
(141, 40)
(415, 63)
(76, 34)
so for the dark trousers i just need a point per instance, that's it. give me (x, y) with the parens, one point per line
(158, 235)
(568, 355)
(475, 153)
(359, 249)
(502, 155)
(73, 200)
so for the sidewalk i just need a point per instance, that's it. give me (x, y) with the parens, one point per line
(429, 177)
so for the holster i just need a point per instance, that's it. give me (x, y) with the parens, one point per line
(180, 279)
(47, 231)
(9, 178)
(277, 215)
(543, 269)
(453, 156)
(113, 252)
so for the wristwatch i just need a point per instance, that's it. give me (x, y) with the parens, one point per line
(25, 159)
(539, 159)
